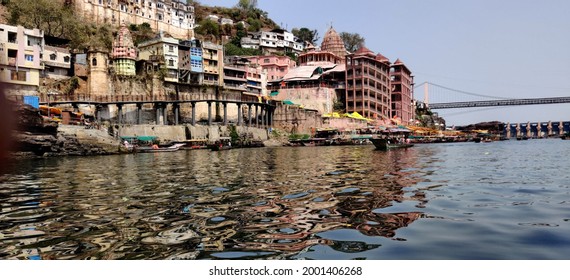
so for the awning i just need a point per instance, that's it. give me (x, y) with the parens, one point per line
(288, 102)
(274, 93)
(139, 138)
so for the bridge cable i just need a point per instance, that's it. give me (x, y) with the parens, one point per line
(469, 93)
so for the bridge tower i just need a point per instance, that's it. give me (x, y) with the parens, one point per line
(426, 94)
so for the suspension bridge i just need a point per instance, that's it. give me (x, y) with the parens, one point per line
(448, 98)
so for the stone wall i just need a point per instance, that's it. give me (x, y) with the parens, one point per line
(294, 119)
(172, 133)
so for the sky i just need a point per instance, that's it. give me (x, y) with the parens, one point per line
(507, 48)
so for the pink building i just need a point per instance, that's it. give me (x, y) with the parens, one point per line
(276, 66)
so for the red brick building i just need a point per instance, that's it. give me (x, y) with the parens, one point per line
(402, 92)
(368, 89)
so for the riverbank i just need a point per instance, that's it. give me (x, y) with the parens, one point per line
(39, 137)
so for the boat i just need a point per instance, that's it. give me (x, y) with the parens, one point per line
(565, 136)
(389, 143)
(392, 139)
(224, 143)
(157, 149)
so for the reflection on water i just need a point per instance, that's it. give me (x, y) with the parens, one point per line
(458, 201)
(268, 203)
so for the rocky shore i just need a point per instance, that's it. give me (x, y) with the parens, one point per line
(35, 137)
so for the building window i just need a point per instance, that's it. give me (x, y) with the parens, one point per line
(29, 57)
(53, 56)
(171, 48)
(171, 62)
(66, 59)
(94, 62)
(266, 60)
(18, 75)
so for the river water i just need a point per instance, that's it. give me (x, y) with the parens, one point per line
(501, 200)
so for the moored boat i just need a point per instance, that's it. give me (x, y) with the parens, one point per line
(389, 143)
(224, 143)
(157, 149)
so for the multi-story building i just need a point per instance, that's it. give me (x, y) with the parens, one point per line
(368, 84)
(176, 17)
(164, 50)
(277, 40)
(213, 57)
(57, 62)
(402, 92)
(124, 53)
(256, 81)
(235, 73)
(20, 59)
(191, 62)
(275, 66)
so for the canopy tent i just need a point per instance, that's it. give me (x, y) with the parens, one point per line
(332, 115)
(356, 115)
(139, 138)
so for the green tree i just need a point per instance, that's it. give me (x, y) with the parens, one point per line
(306, 34)
(142, 32)
(247, 5)
(208, 27)
(231, 49)
(352, 41)
(240, 33)
(53, 17)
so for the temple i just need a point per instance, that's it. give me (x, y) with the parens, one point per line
(124, 53)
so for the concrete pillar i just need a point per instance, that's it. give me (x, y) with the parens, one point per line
(120, 113)
(164, 114)
(225, 104)
(240, 115)
(209, 112)
(256, 115)
(193, 113)
(528, 130)
(267, 115)
(139, 113)
(249, 115)
(157, 112)
(262, 116)
(98, 113)
(176, 107)
(508, 130)
(270, 116)
(550, 132)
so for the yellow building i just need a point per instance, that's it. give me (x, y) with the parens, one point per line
(213, 56)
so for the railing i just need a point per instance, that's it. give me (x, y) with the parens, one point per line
(185, 97)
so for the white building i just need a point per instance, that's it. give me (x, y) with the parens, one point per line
(57, 62)
(165, 50)
(278, 40)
